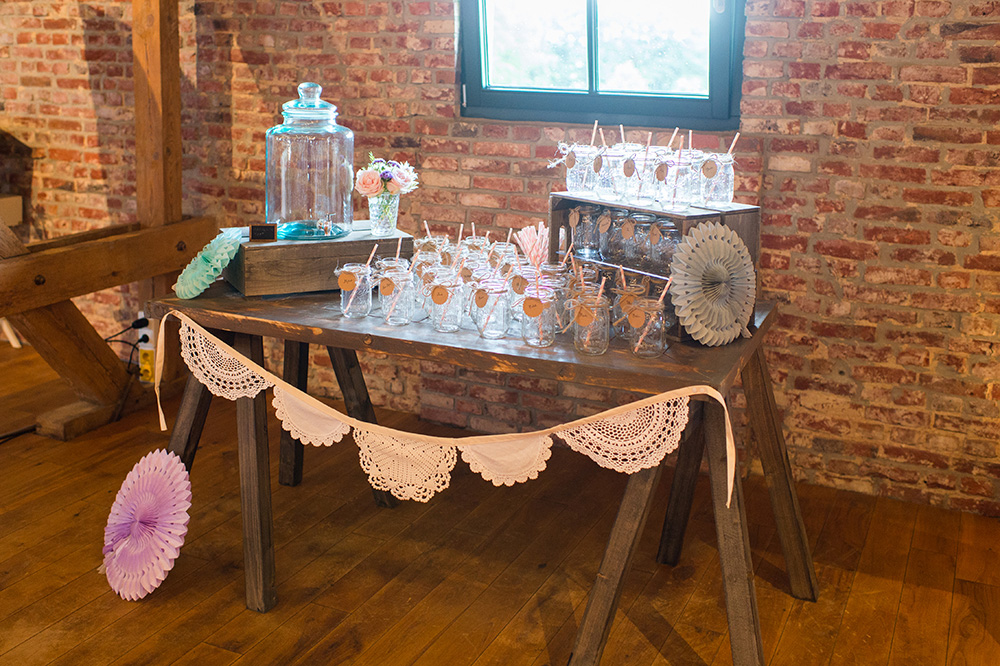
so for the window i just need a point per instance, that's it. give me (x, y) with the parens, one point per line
(658, 63)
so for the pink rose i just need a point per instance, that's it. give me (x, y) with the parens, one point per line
(404, 180)
(392, 186)
(368, 183)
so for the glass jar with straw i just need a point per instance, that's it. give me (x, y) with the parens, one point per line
(396, 289)
(491, 311)
(538, 323)
(446, 300)
(647, 328)
(355, 282)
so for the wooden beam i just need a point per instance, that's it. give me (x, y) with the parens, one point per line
(90, 234)
(43, 278)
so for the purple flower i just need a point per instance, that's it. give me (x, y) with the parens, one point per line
(386, 175)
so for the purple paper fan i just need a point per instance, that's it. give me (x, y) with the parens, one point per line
(147, 525)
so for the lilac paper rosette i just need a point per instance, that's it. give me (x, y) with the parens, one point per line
(147, 525)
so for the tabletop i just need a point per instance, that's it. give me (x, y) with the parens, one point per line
(316, 318)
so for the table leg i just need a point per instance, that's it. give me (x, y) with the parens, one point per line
(255, 487)
(689, 456)
(734, 546)
(358, 403)
(290, 450)
(766, 424)
(190, 421)
(603, 599)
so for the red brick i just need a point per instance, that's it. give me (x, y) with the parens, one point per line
(846, 249)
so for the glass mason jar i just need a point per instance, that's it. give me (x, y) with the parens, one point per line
(586, 236)
(638, 253)
(355, 282)
(539, 323)
(521, 277)
(718, 178)
(610, 179)
(663, 239)
(490, 309)
(580, 176)
(612, 242)
(639, 184)
(647, 328)
(309, 169)
(624, 300)
(590, 324)
(396, 290)
(682, 186)
(446, 302)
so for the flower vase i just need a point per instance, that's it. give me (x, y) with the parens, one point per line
(383, 210)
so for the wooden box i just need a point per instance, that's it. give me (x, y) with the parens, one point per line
(286, 267)
(743, 219)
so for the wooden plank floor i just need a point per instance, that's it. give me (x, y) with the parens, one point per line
(479, 575)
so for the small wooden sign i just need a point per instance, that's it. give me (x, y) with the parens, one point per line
(661, 171)
(570, 159)
(584, 316)
(629, 168)
(533, 306)
(636, 318)
(482, 298)
(604, 223)
(574, 218)
(628, 230)
(440, 294)
(347, 281)
(519, 283)
(709, 168)
(263, 232)
(386, 286)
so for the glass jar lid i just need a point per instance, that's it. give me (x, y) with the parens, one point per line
(309, 106)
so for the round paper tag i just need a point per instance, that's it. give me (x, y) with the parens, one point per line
(628, 230)
(574, 218)
(629, 168)
(584, 316)
(482, 298)
(439, 294)
(347, 281)
(654, 234)
(386, 287)
(570, 159)
(604, 223)
(636, 318)
(626, 302)
(709, 168)
(661, 171)
(519, 283)
(598, 164)
(533, 306)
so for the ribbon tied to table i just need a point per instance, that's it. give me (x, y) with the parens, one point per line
(626, 439)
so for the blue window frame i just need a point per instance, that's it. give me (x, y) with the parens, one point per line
(655, 63)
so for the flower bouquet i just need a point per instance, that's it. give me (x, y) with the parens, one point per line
(382, 181)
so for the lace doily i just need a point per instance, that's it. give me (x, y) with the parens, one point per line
(632, 440)
(414, 470)
(221, 372)
(306, 422)
(507, 463)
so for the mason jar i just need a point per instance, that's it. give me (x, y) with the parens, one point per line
(580, 177)
(309, 170)
(446, 302)
(664, 237)
(638, 253)
(491, 309)
(396, 290)
(718, 178)
(538, 321)
(355, 282)
(647, 328)
(590, 324)
(586, 236)
(624, 298)
(612, 242)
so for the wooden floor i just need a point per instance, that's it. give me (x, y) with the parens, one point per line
(479, 575)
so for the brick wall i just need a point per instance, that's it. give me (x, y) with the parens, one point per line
(868, 138)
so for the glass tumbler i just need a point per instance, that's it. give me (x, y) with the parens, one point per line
(590, 324)
(638, 252)
(647, 328)
(583, 220)
(491, 311)
(396, 289)
(663, 239)
(355, 282)
(624, 299)
(538, 323)
(446, 303)
(612, 242)
(580, 177)
(718, 178)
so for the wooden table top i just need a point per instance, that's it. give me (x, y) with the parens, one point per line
(316, 318)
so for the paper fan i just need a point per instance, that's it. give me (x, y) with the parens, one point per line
(208, 264)
(147, 525)
(713, 284)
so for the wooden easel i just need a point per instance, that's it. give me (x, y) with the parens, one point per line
(37, 281)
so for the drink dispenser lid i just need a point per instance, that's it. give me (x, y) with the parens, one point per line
(309, 106)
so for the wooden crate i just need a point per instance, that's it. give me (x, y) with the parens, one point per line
(743, 219)
(286, 267)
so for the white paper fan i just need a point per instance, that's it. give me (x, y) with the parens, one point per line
(713, 286)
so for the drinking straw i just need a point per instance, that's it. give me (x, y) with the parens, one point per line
(593, 133)
(490, 313)
(603, 142)
(399, 246)
(461, 228)
(473, 229)
(399, 295)
(677, 173)
(566, 256)
(590, 329)
(367, 263)
(670, 144)
(645, 158)
(621, 128)
(450, 294)
(690, 139)
(509, 232)
(733, 144)
(427, 228)
(649, 324)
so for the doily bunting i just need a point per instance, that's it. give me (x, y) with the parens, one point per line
(414, 466)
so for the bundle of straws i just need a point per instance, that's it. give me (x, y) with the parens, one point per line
(534, 242)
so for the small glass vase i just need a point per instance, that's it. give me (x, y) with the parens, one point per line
(383, 211)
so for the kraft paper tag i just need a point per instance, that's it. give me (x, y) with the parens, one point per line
(626, 302)
(386, 287)
(347, 281)
(570, 159)
(439, 295)
(604, 223)
(466, 273)
(654, 234)
(628, 230)
(533, 306)
(629, 168)
(446, 258)
(482, 298)
(709, 168)
(636, 318)
(598, 164)
(574, 218)
(661, 171)
(584, 316)
(519, 283)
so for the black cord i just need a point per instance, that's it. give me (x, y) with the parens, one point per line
(138, 323)
(6, 437)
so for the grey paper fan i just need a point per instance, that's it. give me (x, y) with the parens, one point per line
(713, 284)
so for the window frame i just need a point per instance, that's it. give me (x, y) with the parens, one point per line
(720, 111)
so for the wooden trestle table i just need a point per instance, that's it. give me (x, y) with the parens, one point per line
(301, 320)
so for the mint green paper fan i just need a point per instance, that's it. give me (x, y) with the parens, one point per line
(205, 268)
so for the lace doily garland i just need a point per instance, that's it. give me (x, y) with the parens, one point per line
(413, 466)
